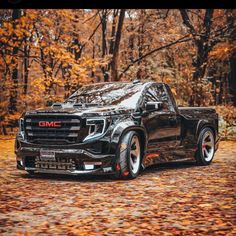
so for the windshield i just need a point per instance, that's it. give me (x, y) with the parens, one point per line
(122, 94)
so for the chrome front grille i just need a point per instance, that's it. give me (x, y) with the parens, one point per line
(68, 132)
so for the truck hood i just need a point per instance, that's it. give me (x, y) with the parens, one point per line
(83, 112)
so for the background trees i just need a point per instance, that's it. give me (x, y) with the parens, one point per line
(47, 54)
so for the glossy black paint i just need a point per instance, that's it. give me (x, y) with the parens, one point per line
(167, 134)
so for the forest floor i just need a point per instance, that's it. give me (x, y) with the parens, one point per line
(173, 199)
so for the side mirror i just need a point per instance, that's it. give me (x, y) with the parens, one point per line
(154, 106)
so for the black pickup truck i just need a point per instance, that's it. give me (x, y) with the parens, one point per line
(115, 128)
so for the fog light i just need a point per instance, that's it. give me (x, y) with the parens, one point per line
(88, 167)
(91, 165)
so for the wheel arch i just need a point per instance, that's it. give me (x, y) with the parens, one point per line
(122, 148)
(141, 133)
(119, 133)
(205, 124)
(143, 141)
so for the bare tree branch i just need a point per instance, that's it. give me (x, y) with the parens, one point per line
(180, 40)
(90, 37)
(90, 18)
(208, 21)
(187, 21)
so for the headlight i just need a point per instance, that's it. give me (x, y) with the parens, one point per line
(97, 127)
(21, 127)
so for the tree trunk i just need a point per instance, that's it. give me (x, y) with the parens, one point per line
(26, 68)
(139, 74)
(203, 47)
(104, 32)
(104, 43)
(113, 31)
(4, 130)
(232, 78)
(114, 62)
(232, 59)
(131, 48)
(16, 14)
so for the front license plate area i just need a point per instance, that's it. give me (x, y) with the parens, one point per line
(47, 155)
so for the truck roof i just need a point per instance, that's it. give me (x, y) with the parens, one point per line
(127, 82)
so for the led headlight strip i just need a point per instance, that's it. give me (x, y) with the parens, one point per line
(97, 127)
(21, 127)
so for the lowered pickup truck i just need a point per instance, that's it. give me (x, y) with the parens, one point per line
(115, 128)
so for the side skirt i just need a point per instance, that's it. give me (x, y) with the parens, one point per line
(153, 157)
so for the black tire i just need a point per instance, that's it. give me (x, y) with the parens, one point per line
(126, 167)
(205, 152)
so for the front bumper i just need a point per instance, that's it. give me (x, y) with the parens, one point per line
(84, 162)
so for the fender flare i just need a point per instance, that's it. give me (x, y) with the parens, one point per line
(202, 124)
(122, 128)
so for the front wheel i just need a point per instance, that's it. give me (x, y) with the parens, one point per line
(129, 156)
(206, 147)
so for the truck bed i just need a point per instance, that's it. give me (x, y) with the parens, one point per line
(197, 112)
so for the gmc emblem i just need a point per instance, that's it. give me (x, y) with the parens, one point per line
(49, 123)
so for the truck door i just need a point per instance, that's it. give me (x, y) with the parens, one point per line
(163, 126)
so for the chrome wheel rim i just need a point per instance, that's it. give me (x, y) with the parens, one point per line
(135, 154)
(208, 146)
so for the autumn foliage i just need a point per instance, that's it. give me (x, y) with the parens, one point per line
(45, 55)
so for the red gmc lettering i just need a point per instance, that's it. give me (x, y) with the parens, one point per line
(50, 124)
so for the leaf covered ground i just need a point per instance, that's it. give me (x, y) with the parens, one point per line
(173, 199)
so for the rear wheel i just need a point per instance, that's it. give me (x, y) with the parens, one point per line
(129, 156)
(206, 147)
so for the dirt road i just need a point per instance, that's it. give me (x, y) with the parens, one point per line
(176, 199)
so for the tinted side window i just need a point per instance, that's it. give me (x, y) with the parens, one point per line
(157, 93)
